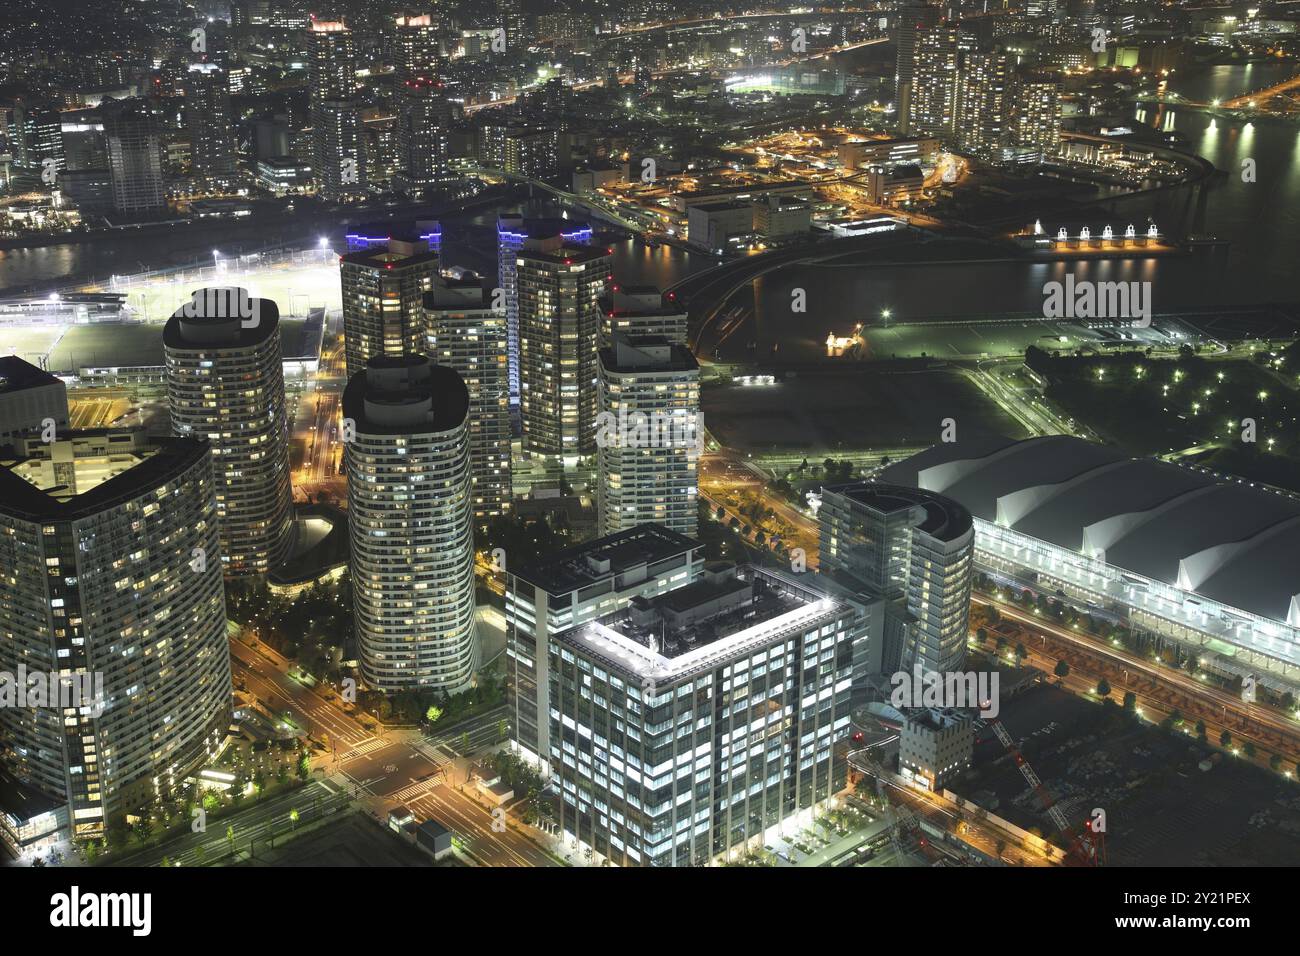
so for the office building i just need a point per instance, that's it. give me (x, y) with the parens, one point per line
(640, 310)
(30, 398)
(110, 583)
(560, 287)
(782, 217)
(464, 332)
(383, 294)
(572, 587)
(134, 160)
(906, 150)
(411, 525)
(512, 231)
(338, 154)
(649, 436)
(934, 746)
(701, 724)
(225, 383)
(915, 551)
(209, 122)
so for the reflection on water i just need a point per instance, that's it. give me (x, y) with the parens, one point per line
(1261, 219)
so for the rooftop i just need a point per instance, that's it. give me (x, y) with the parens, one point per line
(942, 518)
(1230, 541)
(17, 375)
(779, 606)
(27, 490)
(405, 395)
(611, 556)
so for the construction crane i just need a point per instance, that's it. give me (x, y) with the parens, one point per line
(1086, 850)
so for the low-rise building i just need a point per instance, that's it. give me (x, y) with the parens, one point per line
(714, 226)
(935, 745)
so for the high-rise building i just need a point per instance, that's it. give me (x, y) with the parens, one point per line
(532, 151)
(383, 292)
(411, 524)
(914, 550)
(110, 587)
(416, 48)
(36, 135)
(512, 231)
(225, 383)
(466, 333)
(338, 154)
(1036, 112)
(933, 106)
(703, 723)
(510, 16)
(982, 103)
(648, 436)
(134, 160)
(640, 310)
(209, 123)
(560, 287)
(423, 149)
(911, 17)
(573, 587)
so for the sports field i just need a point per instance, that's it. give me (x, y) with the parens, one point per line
(298, 284)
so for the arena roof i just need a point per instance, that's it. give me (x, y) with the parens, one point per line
(1229, 541)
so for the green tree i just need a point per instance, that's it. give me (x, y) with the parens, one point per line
(502, 729)
(1225, 739)
(1062, 669)
(1130, 701)
(1021, 654)
(432, 714)
(1103, 688)
(1249, 749)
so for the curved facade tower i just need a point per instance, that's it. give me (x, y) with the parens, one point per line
(110, 579)
(225, 383)
(411, 524)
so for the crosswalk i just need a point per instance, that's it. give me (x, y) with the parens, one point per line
(362, 749)
(415, 790)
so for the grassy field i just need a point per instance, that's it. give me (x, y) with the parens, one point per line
(862, 408)
(132, 345)
(296, 287)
